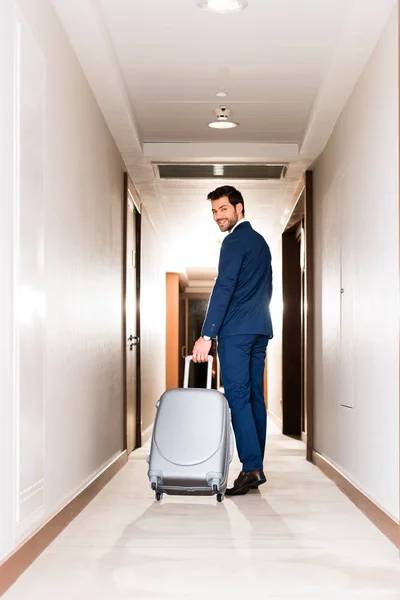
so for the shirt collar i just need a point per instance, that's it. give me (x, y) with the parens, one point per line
(244, 220)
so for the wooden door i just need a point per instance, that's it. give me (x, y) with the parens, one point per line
(131, 321)
(172, 331)
(131, 333)
(196, 310)
(291, 334)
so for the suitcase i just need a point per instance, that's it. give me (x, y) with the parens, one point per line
(192, 441)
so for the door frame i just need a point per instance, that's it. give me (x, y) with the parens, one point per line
(306, 189)
(130, 196)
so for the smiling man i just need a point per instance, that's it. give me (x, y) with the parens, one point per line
(238, 315)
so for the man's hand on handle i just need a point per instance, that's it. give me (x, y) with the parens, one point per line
(200, 350)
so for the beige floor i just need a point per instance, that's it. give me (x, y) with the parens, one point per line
(298, 538)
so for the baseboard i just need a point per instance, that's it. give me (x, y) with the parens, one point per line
(389, 527)
(14, 565)
(147, 433)
(275, 419)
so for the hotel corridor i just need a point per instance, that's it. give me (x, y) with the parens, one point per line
(118, 118)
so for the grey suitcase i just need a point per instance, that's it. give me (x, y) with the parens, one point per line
(192, 442)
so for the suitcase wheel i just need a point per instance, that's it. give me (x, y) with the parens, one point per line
(159, 496)
(220, 497)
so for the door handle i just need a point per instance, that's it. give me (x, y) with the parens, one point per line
(134, 341)
(183, 351)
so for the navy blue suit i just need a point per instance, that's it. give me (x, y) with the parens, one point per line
(238, 314)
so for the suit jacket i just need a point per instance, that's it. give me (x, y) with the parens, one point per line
(242, 292)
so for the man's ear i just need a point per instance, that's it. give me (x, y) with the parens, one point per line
(239, 208)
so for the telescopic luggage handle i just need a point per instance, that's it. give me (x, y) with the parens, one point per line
(188, 359)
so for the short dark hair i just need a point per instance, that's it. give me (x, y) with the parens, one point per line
(233, 195)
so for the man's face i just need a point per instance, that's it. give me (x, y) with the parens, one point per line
(225, 214)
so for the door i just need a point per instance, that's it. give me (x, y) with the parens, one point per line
(172, 357)
(292, 343)
(196, 310)
(132, 324)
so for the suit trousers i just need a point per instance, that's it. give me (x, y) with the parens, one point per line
(242, 360)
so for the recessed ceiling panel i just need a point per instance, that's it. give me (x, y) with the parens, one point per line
(196, 171)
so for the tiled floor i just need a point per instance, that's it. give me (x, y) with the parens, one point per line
(299, 537)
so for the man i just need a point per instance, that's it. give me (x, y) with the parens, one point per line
(238, 314)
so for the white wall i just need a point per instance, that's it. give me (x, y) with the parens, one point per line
(6, 275)
(61, 415)
(153, 321)
(357, 248)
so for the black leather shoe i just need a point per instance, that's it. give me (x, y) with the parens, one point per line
(246, 482)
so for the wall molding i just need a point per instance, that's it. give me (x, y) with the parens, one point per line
(24, 555)
(274, 418)
(147, 433)
(386, 524)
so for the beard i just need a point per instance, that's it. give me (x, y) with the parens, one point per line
(227, 224)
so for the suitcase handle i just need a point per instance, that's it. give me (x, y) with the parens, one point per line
(187, 368)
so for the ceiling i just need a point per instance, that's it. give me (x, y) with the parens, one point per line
(288, 67)
(270, 59)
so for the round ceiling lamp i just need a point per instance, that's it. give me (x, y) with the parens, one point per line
(222, 6)
(219, 124)
(223, 113)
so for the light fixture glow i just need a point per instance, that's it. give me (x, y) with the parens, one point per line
(223, 6)
(223, 124)
(218, 170)
(221, 94)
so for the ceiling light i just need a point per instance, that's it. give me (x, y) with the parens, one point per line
(221, 94)
(218, 170)
(222, 124)
(223, 6)
(223, 113)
